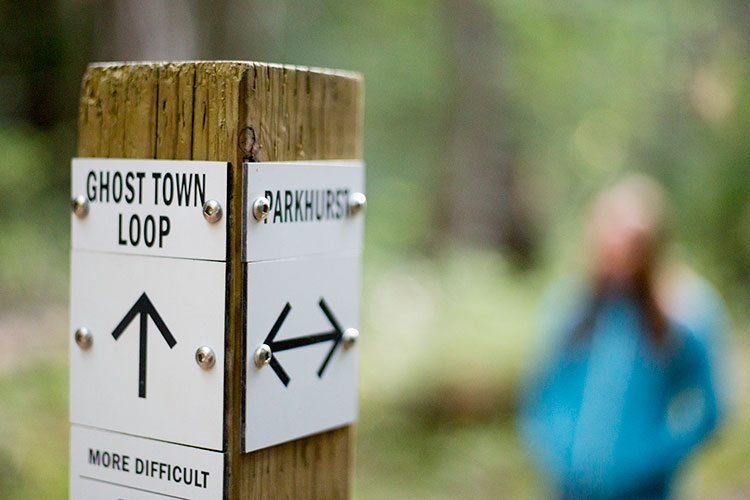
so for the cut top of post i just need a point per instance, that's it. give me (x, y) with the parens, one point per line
(220, 110)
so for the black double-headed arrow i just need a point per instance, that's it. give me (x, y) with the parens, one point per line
(145, 308)
(334, 335)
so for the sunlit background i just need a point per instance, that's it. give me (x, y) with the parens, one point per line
(489, 124)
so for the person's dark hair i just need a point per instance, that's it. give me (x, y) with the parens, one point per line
(639, 201)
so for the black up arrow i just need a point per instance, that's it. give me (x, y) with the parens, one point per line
(284, 345)
(145, 308)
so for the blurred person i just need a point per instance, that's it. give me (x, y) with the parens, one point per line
(630, 387)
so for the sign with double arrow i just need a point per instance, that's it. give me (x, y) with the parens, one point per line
(302, 252)
(276, 346)
(301, 347)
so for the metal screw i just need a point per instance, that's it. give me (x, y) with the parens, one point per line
(262, 355)
(357, 203)
(350, 337)
(205, 357)
(84, 338)
(212, 211)
(261, 208)
(80, 206)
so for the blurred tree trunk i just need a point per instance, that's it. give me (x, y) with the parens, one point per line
(133, 30)
(168, 30)
(481, 202)
(33, 61)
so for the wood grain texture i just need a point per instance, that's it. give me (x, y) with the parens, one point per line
(235, 112)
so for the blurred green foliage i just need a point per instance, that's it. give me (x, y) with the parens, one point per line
(592, 89)
(33, 432)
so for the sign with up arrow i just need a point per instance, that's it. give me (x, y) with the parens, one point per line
(143, 308)
(140, 376)
(146, 307)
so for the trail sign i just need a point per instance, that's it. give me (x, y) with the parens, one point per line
(126, 380)
(302, 245)
(183, 403)
(277, 346)
(149, 207)
(309, 208)
(151, 303)
(310, 384)
(144, 309)
(111, 466)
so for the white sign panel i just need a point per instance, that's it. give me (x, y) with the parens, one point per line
(150, 207)
(300, 308)
(110, 466)
(147, 317)
(308, 208)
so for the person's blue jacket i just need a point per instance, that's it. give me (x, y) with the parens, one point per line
(611, 415)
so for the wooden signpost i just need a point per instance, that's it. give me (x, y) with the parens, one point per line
(239, 113)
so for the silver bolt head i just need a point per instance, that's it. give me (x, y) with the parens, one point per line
(84, 338)
(80, 206)
(205, 357)
(261, 208)
(212, 211)
(357, 203)
(351, 335)
(262, 355)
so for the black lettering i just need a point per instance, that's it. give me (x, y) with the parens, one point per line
(269, 196)
(106, 459)
(164, 227)
(91, 189)
(140, 176)
(95, 458)
(125, 464)
(134, 240)
(103, 186)
(161, 469)
(117, 187)
(174, 475)
(205, 478)
(183, 189)
(152, 469)
(139, 466)
(116, 461)
(297, 205)
(156, 176)
(308, 206)
(277, 207)
(120, 240)
(188, 479)
(329, 202)
(288, 206)
(339, 206)
(320, 205)
(149, 222)
(167, 194)
(200, 187)
(129, 186)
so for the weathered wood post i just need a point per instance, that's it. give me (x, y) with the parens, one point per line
(238, 113)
